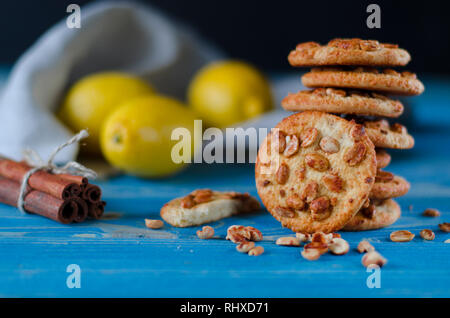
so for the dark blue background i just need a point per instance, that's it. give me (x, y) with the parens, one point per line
(264, 31)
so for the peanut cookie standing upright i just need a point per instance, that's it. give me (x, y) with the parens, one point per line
(314, 171)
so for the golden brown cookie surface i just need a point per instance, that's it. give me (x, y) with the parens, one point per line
(386, 81)
(314, 171)
(385, 135)
(375, 216)
(348, 52)
(388, 186)
(340, 101)
(383, 158)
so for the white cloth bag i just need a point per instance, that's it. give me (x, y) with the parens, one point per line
(122, 36)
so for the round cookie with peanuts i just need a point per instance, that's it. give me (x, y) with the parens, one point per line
(204, 206)
(314, 171)
(387, 81)
(341, 101)
(376, 215)
(348, 52)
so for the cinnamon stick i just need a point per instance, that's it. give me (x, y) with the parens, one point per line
(92, 193)
(82, 181)
(37, 202)
(96, 209)
(41, 181)
(82, 209)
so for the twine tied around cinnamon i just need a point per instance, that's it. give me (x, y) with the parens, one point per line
(32, 158)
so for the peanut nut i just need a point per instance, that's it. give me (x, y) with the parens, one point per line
(445, 227)
(154, 224)
(303, 237)
(282, 175)
(244, 247)
(238, 234)
(355, 154)
(310, 191)
(258, 250)
(320, 208)
(255, 234)
(431, 212)
(206, 233)
(401, 236)
(338, 246)
(427, 234)
(292, 146)
(284, 212)
(311, 254)
(365, 247)
(202, 196)
(295, 202)
(187, 202)
(333, 182)
(322, 248)
(329, 144)
(317, 162)
(309, 136)
(357, 132)
(288, 241)
(373, 258)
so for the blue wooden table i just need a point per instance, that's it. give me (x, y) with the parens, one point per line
(119, 257)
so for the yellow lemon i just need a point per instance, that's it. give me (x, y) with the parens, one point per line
(225, 93)
(92, 98)
(136, 137)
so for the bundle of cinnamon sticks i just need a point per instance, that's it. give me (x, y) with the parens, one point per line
(64, 198)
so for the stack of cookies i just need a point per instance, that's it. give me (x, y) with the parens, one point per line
(320, 169)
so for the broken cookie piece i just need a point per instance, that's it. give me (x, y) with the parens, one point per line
(204, 206)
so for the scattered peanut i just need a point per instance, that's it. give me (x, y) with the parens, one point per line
(255, 234)
(373, 258)
(338, 246)
(365, 247)
(288, 241)
(320, 237)
(322, 248)
(244, 247)
(401, 236)
(445, 227)
(447, 241)
(427, 234)
(303, 237)
(154, 224)
(238, 234)
(206, 233)
(258, 250)
(431, 212)
(311, 254)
